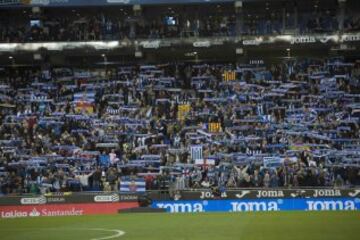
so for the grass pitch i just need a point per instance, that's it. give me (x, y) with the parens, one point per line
(204, 226)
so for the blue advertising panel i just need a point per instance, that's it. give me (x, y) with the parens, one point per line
(254, 205)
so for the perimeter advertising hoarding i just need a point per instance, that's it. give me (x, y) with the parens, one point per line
(199, 194)
(67, 198)
(64, 209)
(255, 205)
(269, 193)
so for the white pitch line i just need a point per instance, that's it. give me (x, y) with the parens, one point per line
(119, 233)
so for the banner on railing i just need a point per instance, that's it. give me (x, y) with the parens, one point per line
(132, 185)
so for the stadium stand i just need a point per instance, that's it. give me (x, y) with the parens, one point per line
(82, 132)
(150, 125)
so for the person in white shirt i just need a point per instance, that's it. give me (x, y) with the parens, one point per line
(84, 180)
(113, 158)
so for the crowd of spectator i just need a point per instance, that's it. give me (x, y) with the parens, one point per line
(180, 126)
(85, 26)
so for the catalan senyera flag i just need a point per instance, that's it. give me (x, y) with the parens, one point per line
(229, 76)
(84, 107)
(183, 109)
(214, 127)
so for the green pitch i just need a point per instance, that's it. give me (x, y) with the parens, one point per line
(207, 226)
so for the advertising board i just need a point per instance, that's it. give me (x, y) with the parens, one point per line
(255, 205)
(52, 210)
